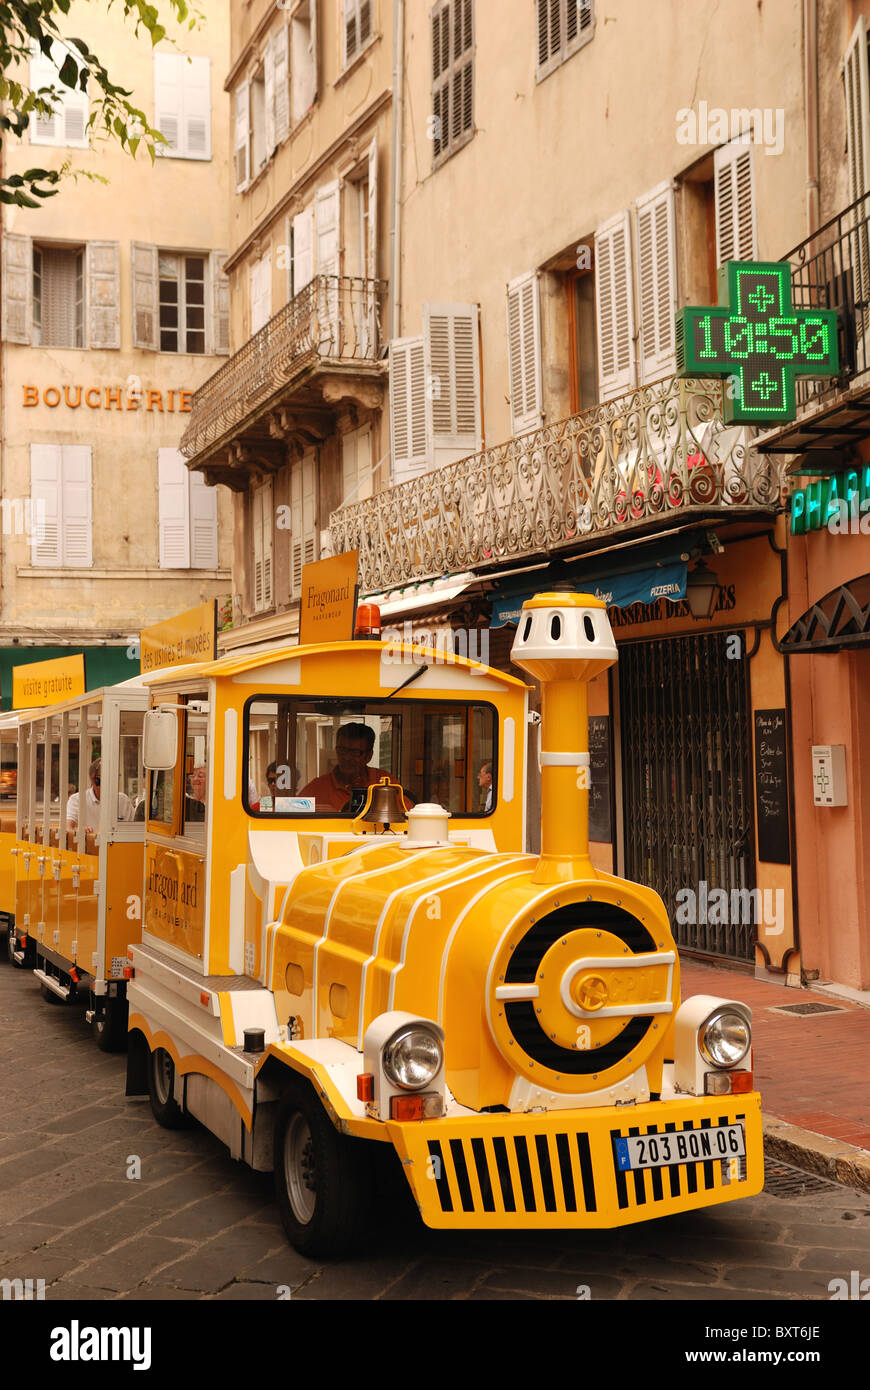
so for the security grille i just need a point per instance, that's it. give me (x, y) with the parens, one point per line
(687, 803)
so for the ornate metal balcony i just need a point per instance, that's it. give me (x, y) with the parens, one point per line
(332, 324)
(645, 461)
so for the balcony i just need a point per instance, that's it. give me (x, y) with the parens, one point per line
(322, 348)
(646, 462)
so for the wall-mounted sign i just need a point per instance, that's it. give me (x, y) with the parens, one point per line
(771, 786)
(329, 594)
(161, 402)
(843, 498)
(48, 682)
(189, 636)
(757, 340)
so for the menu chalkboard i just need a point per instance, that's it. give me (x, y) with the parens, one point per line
(771, 786)
(600, 792)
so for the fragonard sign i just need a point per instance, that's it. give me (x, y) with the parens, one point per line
(757, 340)
(840, 503)
(328, 606)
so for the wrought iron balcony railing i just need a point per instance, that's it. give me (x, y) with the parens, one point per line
(335, 320)
(661, 454)
(831, 270)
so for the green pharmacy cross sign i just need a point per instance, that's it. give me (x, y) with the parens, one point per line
(758, 340)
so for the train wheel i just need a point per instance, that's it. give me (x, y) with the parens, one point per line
(110, 1024)
(323, 1181)
(49, 995)
(161, 1085)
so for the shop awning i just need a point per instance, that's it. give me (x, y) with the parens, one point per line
(415, 598)
(617, 590)
(838, 622)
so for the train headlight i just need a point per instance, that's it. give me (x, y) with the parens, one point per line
(413, 1058)
(725, 1038)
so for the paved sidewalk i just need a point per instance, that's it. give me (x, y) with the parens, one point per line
(812, 1069)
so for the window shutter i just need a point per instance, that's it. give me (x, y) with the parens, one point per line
(735, 203)
(46, 470)
(356, 459)
(303, 249)
(309, 507)
(104, 294)
(408, 443)
(578, 22)
(524, 353)
(549, 33)
(857, 91)
(657, 282)
(143, 259)
(261, 293)
(266, 518)
(452, 367)
(75, 117)
(167, 101)
(441, 78)
(372, 258)
(327, 220)
(17, 288)
(351, 31)
(303, 542)
(196, 90)
(220, 299)
(203, 523)
(76, 506)
(45, 129)
(614, 307)
(269, 97)
(257, 533)
(452, 74)
(173, 510)
(281, 52)
(242, 144)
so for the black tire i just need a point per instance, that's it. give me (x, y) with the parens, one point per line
(161, 1083)
(50, 997)
(110, 1024)
(323, 1180)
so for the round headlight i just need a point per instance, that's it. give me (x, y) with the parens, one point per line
(724, 1038)
(412, 1058)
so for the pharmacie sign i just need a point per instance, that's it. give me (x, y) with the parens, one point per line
(839, 503)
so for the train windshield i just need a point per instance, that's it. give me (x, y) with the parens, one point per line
(316, 756)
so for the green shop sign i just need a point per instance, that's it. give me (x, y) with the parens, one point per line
(841, 502)
(758, 340)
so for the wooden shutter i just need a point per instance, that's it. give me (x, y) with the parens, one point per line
(357, 27)
(657, 282)
(103, 268)
(303, 249)
(303, 504)
(173, 510)
(196, 96)
(303, 59)
(372, 254)
(261, 293)
(281, 60)
(76, 506)
(524, 353)
(614, 307)
(452, 74)
(563, 26)
(47, 129)
(67, 124)
(17, 288)
(857, 92)
(356, 462)
(735, 203)
(451, 355)
(269, 98)
(220, 300)
(262, 528)
(242, 139)
(203, 523)
(46, 469)
(167, 101)
(327, 216)
(408, 436)
(143, 259)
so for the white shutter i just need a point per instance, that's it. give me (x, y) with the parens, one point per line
(262, 528)
(203, 523)
(143, 260)
(657, 282)
(614, 307)
(451, 356)
(857, 91)
(173, 510)
(67, 124)
(303, 249)
(309, 507)
(17, 288)
(76, 506)
(46, 471)
(103, 268)
(45, 130)
(327, 216)
(196, 87)
(269, 97)
(735, 203)
(281, 52)
(167, 101)
(372, 258)
(303, 506)
(220, 300)
(351, 30)
(356, 460)
(524, 353)
(261, 293)
(408, 444)
(242, 140)
(303, 59)
(257, 536)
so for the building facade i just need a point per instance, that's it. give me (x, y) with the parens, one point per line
(115, 308)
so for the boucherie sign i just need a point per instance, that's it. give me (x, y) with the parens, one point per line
(131, 396)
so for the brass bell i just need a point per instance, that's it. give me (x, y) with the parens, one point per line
(384, 804)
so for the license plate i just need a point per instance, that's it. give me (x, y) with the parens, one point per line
(683, 1146)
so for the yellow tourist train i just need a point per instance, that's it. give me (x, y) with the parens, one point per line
(338, 957)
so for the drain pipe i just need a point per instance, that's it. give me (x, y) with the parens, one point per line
(811, 103)
(396, 172)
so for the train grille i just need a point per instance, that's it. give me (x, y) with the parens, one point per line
(514, 1173)
(642, 1186)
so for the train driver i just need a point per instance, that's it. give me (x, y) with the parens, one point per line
(354, 746)
(92, 804)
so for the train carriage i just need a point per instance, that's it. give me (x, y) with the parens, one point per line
(8, 825)
(346, 951)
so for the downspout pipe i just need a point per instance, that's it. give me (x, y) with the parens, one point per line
(811, 104)
(396, 171)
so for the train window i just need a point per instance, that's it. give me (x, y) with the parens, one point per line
(195, 769)
(131, 781)
(307, 756)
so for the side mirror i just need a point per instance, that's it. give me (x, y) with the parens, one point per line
(160, 743)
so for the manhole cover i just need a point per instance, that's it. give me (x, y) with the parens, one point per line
(808, 1008)
(782, 1180)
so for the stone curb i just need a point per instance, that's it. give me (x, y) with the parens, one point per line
(830, 1158)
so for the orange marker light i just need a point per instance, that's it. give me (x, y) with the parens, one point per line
(368, 621)
(741, 1082)
(129, 972)
(365, 1086)
(406, 1107)
(203, 997)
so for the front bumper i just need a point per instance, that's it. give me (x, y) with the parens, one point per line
(560, 1169)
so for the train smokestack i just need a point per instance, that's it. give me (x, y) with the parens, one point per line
(564, 640)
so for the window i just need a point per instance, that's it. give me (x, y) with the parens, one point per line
(318, 756)
(68, 121)
(357, 27)
(735, 203)
(303, 515)
(194, 812)
(188, 524)
(452, 76)
(182, 303)
(60, 493)
(182, 105)
(259, 146)
(262, 110)
(435, 415)
(180, 300)
(524, 353)
(58, 296)
(303, 59)
(356, 465)
(563, 27)
(856, 78)
(261, 526)
(261, 293)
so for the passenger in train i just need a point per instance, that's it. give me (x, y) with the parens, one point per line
(92, 803)
(194, 801)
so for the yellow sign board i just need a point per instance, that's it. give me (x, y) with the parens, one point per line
(175, 898)
(328, 607)
(190, 636)
(48, 682)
